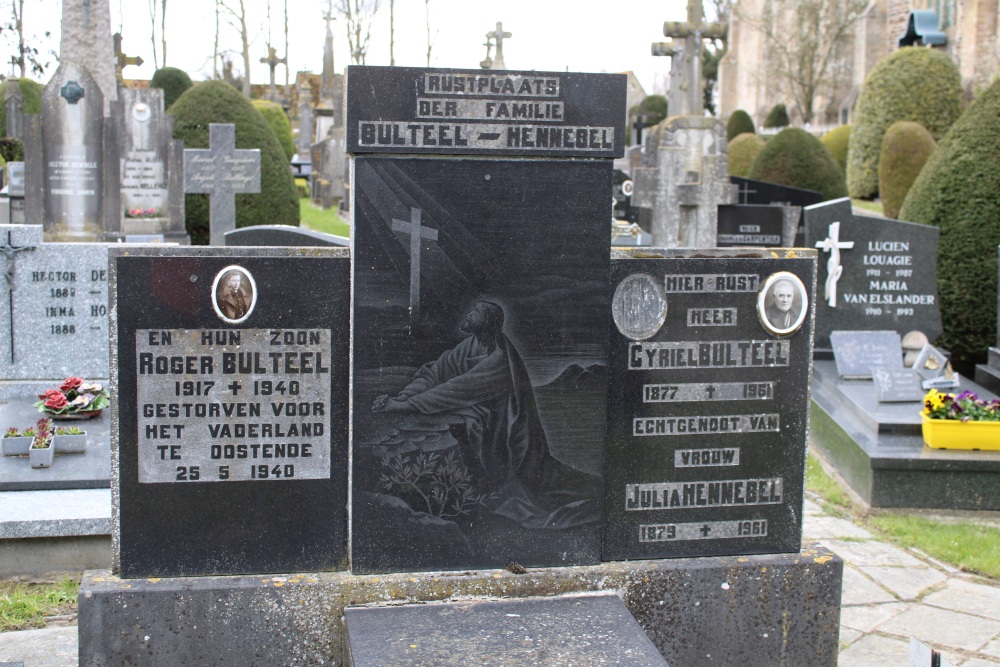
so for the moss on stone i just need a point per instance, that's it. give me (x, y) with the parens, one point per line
(31, 99)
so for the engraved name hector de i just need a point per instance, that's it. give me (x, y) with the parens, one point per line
(233, 405)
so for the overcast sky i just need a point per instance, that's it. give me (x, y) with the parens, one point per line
(553, 35)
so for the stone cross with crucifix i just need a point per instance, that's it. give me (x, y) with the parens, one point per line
(273, 61)
(221, 172)
(833, 245)
(417, 233)
(498, 36)
(687, 101)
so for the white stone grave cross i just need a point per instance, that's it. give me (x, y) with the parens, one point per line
(833, 245)
(221, 172)
(498, 36)
(416, 233)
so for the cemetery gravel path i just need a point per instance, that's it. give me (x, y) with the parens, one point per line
(890, 594)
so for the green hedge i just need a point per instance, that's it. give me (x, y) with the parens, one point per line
(913, 83)
(836, 141)
(777, 117)
(798, 159)
(31, 99)
(174, 82)
(741, 153)
(278, 121)
(739, 123)
(905, 149)
(218, 102)
(958, 190)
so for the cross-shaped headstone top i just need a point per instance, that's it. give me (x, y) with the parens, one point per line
(221, 171)
(498, 36)
(272, 60)
(692, 32)
(121, 60)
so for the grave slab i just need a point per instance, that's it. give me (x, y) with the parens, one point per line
(561, 631)
(282, 235)
(763, 610)
(879, 450)
(707, 402)
(230, 407)
(874, 274)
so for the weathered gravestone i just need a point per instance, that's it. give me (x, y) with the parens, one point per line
(14, 109)
(462, 464)
(874, 274)
(221, 171)
(329, 169)
(229, 410)
(152, 167)
(707, 410)
(15, 192)
(71, 161)
(754, 192)
(753, 226)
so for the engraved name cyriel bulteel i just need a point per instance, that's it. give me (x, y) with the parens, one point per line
(709, 354)
(233, 404)
(687, 495)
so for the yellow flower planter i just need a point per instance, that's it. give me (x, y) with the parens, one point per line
(951, 434)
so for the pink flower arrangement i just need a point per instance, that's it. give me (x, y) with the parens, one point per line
(73, 396)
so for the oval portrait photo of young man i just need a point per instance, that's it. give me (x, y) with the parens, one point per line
(234, 294)
(782, 303)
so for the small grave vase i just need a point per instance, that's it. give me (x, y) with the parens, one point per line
(41, 457)
(16, 446)
(70, 444)
(952, 434)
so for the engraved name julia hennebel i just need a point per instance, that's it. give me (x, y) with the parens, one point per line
(234, 294)
(484, 381)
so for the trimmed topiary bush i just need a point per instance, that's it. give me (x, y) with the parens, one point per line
(278, 121)
(777, 117)
(172, 81)
(218, 102)
(653, 107)
(798, 159)
(739, 123)
(913, 83)
(31, 100)
(742, 152)
(958, 190)
(836, 141)
(905, 149)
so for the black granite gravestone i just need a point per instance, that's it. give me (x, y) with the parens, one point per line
(772, 194)
(480, 320)
(230, 410)
(708, 402)
(874, 273)
(897, 385)
(282, 235)
(753, 226)
(858, 352)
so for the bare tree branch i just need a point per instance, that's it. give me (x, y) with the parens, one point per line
(152, 30)
(358, 18)
(163, 29)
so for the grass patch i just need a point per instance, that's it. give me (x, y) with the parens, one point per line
(319, 220)
(971, 547)
(874, 206)
(25, 605)
(818, 482)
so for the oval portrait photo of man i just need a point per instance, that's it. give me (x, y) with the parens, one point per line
(782, 303)
(234, 294)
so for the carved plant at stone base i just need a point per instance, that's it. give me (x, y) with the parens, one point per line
(439, 485)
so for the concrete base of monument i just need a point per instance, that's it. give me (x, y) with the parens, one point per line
(878, 449)
(988, 375)
(780, 609)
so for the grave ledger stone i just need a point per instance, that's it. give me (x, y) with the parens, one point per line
(230, 409)
(874, 274)
(988, 374)
(480, 315)
(710, 377)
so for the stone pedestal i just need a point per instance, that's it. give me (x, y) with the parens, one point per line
(748, 610)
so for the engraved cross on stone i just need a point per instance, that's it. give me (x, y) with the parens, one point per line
(10, 253)
(221, 172)
(416, 233)
(498, 36)
(745, 193)
(833, 245)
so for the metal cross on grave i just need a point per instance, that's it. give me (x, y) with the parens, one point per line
(833, 245)
(10, 254)
(221, 172)
(498, 36)
(416, 233)
(273, 61)
(121, 60)
(689, 102)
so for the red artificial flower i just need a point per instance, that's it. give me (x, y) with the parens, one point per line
(49, 393)
(57, 402)
(71, 383)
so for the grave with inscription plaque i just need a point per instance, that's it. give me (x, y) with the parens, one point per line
(230, 408)
(708, 402)
(761, 193)
(480, 331)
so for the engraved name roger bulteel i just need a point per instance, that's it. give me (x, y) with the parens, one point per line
(707, 530)
(685, 495)
(709, 354)
(233, 405)
(705, 425)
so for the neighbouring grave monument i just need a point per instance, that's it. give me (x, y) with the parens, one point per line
(707, 413)
(988, 374)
